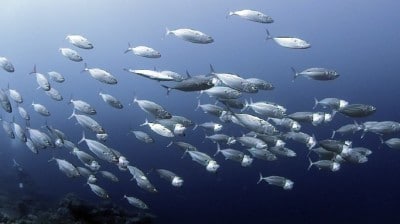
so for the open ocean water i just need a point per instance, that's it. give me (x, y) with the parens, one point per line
(358, 39)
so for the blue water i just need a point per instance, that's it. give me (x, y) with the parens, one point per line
(359, 39)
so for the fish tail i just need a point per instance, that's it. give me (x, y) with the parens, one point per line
(218, 150)
(315, 102)
(52, 159)
(167, 31)
(268, 37)
(146, 122)
(83, 138)
(333, 134)
(195, 127)
(296, 74)
(198, 105)
(33, 70)
(73, 114)
(129, 48)
(311, 163)
(168, 88)
(85, 68)
(172, 142)
(212, 69)
(246, 105)
(261, 178)
(230, 14)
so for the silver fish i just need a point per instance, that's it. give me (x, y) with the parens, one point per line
(83, 106)
(23, 113)
(6, 64)
(87, 122)
(332, 103)
(109, 176)
(261, 84)
(101, 75)
(54, 94)
(99, 149)
(136, 202)
(210, 109)
(56, 77)
(151, 74)
(99, 191)
(66, 167)
(175, 180)
(143, 136)
(289, 42)
(5, 102)
(41, 109)
(235, 155)
(262, 154)
(325, 164)
(70, 54)
(221, 138)
(223, 92)
(143, 51)
(357, 110)
(393, 143)
(279, 181)
(41, 79)
(159, 129)
(234, 81)
(153, 108)
(252, 15)
(79, 41)
(15, 95)
(204, 160)
(191, 35)
(321, 74)
(111, 100)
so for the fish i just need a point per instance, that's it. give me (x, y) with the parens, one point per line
(79, 41)
(325, 164)
(31, 146)
(251, 142)
(254, 123)
(235, 155)
(99, 149)
(320, 74)
(143, 51)
(357, 110)
(347, 129)
(19, 132)
(15, 95)
(210, 126)
(101, 75)
(41, 109)
(315, 118)
(87, 122)
(223, 92)
(210, 109)
(234, 81)
(382, 128)
(232, 103)
(23, 113)
(262, 154)
(301, 137)
(182, 120)
(141, 180)
(175, 180)
(99, 191)
(83, 107)
(86, 159)
(153, 108)
(261, 84)
(7, 127)
(393, 143)
(287, 123)
(192, 84)
(111, 100)
(136, 202)
(70, 54)
(332, 103)
(184, 146)
(5, 102)
(282, 151)
(221, 138)
(6, 65)
(353, 156)
(159, 129)
(175, 127)
(175, 76)
(205, 160)
(41, 79)
(143, 136)
(54, 94)
(190, 35)
(289, 42)
(66, 167)
(335, 146)
(279, 181)
(40, 139)
(265, 108)
(252, 15)
(56, 77)
(151, 74)
(109, 176)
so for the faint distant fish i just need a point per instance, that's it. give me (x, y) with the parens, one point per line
(83, 106)
(15, 95)
(191, 35)
(41, 109)
(221, 138)
(393, 143)
(252, 15)
(141, 179)
(41, 80)
(5, 102)
(70, 54)
(31, 146)
(191, 84)
(321, 74)
(159, 129)
(153, 108)
(143, 51)
(357, 110)
(6, 64)
(99, 191)
(175, 180)
(23, 113)
(40, 139)
(87, 122)
(111, 100)
(279, 181)
(79, 41)
(109, 176)
(262, 154)
(232, 103)
(7, 128)
(136, 202)
(66, 167)
(101, 75)
(19, 132)
(151, 74)
(325, 164)
(54, 94)
(235, 155)
(261, 84)
(289, 42)
(56, 77)
(143, 136)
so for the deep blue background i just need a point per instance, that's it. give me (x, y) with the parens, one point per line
(359, 39)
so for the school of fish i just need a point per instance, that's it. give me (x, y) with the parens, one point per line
(268, 125)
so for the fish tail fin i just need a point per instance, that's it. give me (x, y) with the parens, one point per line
(315, 102)
(333, 134)
(195, 127)
(172, 142)
(246, 105)
(198, 105)
(296, 74)
(212, 69)
(268, 37)
(311, 163)
(52, 159)
(230, 14)
(260, 179)
(146, 122)
(167, 31)
(218, 150)
(85, 68)
(129, 48)
(188, 74)
(33, 70)
(168, 89)
(83, 138)
(73, 114)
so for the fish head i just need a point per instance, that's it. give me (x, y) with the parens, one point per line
(94, 166)
(335, 166)
(328, 117)
(288, 185)
(311, 142)
(279, 143)
(177, 181)
(102, 137)
(250, 87)
(217, 127)
(343, 103)
(246, 161)
(179, 129)
(9, 67)
(296, 126)
(212, 166)
(59, 142)
(92, 179)
(371, 108)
